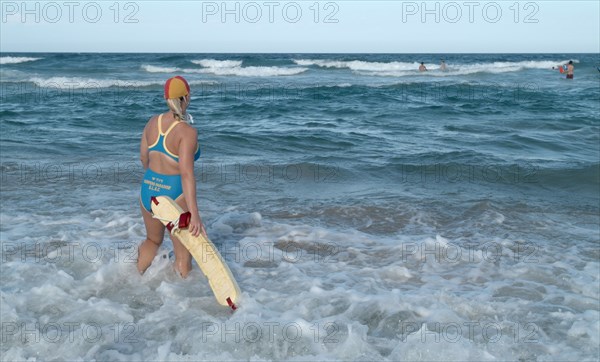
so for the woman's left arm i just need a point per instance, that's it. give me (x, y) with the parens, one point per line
(144, 154)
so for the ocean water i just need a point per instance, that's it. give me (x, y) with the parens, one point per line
(368, 211)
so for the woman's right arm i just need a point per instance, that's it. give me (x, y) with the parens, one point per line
(187, 149)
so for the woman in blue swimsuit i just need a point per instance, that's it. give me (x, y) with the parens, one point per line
(168, 150)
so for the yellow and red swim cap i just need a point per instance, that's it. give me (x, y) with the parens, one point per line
(176, 87)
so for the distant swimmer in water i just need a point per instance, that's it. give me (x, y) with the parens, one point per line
(443, 66)
(422, 67)
(570, 69)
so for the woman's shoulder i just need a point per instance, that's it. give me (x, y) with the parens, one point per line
(153, 118)
(187, 129)
(151, 121)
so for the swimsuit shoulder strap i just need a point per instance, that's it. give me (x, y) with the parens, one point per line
(160, 132)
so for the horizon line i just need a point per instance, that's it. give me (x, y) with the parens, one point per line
(383, 53)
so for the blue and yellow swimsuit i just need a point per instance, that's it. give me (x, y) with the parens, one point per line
(156, 184)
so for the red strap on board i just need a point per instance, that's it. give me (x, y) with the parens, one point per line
(231, 304)
(154, 200)
(184, 220)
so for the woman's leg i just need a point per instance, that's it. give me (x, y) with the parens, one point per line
(155, 233)
(183, 258)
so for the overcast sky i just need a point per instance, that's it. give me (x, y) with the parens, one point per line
(301, 26)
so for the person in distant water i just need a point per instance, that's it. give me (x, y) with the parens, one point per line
(443, 66)
(570, 69)
(422, 67)
(168, 149)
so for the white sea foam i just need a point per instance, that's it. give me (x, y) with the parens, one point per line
(93, 83)
(358, 65)
(254, 71)
(156, 69)
(227, 68)
(309, 292)
(399, 69)
(213, 63)
(235, 68)
(87, 83)
(16, 60)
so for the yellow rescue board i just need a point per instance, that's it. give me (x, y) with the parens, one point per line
(203, 250)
